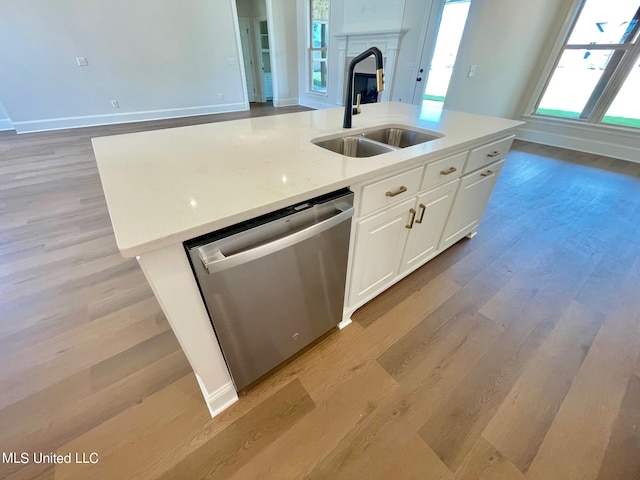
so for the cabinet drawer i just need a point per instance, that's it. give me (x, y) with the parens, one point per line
(443, 170)
(389, 190)
(492, 152)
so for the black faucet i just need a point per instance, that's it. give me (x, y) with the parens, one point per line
(349, 110)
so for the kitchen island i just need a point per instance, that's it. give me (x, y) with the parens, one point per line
(167, 186)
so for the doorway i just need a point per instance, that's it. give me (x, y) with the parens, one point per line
(264, 58)
(247, 57)
(253, 25)
(440, 50)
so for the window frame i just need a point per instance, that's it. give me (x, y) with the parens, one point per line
(619, 73)
(311, 50)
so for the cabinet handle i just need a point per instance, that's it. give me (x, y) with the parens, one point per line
(448, 171)
(423, 207)
(487, 173)
(402, 189)
(413, 217)
(495, 153)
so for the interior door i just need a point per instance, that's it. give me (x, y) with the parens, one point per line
(247, 57)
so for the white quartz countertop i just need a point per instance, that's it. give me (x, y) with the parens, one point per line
(167, 186)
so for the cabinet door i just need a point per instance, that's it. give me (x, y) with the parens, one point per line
(379, 242)
(470, 202)
(424, 236)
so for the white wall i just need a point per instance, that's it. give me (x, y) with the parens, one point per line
(284, 51)
(157, 59)
(372, 15)
(251, 8)
(506, 40)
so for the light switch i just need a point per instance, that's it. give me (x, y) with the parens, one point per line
(472, 71)
(82, 61)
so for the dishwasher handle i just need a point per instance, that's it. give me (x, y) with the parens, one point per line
(216, 261)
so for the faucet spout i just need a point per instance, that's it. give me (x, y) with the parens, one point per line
(348, 102)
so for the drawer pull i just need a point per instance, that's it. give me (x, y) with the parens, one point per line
(423, 209)
(495, 153)
(402, 189)
(487, 173)
(413, 217)
(448, 171)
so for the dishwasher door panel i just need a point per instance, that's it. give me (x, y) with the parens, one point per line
(265, 310)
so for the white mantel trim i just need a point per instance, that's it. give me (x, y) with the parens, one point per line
(395, 33)
(352, 44)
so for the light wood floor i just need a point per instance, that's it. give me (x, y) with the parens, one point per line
(513, 355)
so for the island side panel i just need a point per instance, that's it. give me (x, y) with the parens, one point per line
(172, 281)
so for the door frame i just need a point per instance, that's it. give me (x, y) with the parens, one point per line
(427, 47)
(269, 18)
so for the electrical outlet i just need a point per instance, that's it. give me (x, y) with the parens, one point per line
(115, 104)
(82, 61)
(231, 61)
(220, 96)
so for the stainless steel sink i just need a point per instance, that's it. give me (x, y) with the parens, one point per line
(400, 137)
(375, 142)
(355, 146)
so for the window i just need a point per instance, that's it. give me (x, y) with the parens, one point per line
(318, 43)
(597, 74)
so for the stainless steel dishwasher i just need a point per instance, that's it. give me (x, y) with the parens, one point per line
(274, 284)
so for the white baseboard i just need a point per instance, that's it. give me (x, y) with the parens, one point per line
(345, 322)
(317, 104)
(603, 140)
(221, 399)
(6, 124)
(112, 118)
(286, 102)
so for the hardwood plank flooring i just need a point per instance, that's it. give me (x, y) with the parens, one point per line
(514, 355)
(521, 423)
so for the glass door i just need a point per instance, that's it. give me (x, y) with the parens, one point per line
(440, 51)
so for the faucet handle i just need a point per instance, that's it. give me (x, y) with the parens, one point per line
(357, 110)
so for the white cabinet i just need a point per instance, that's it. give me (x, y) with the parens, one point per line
(390, 190)
(484, 155)
(471, 200)
(424, 236)
(379, 242)
(406, 218)
(443, 170)
(400, 238)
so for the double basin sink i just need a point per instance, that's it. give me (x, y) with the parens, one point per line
(375, 142)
